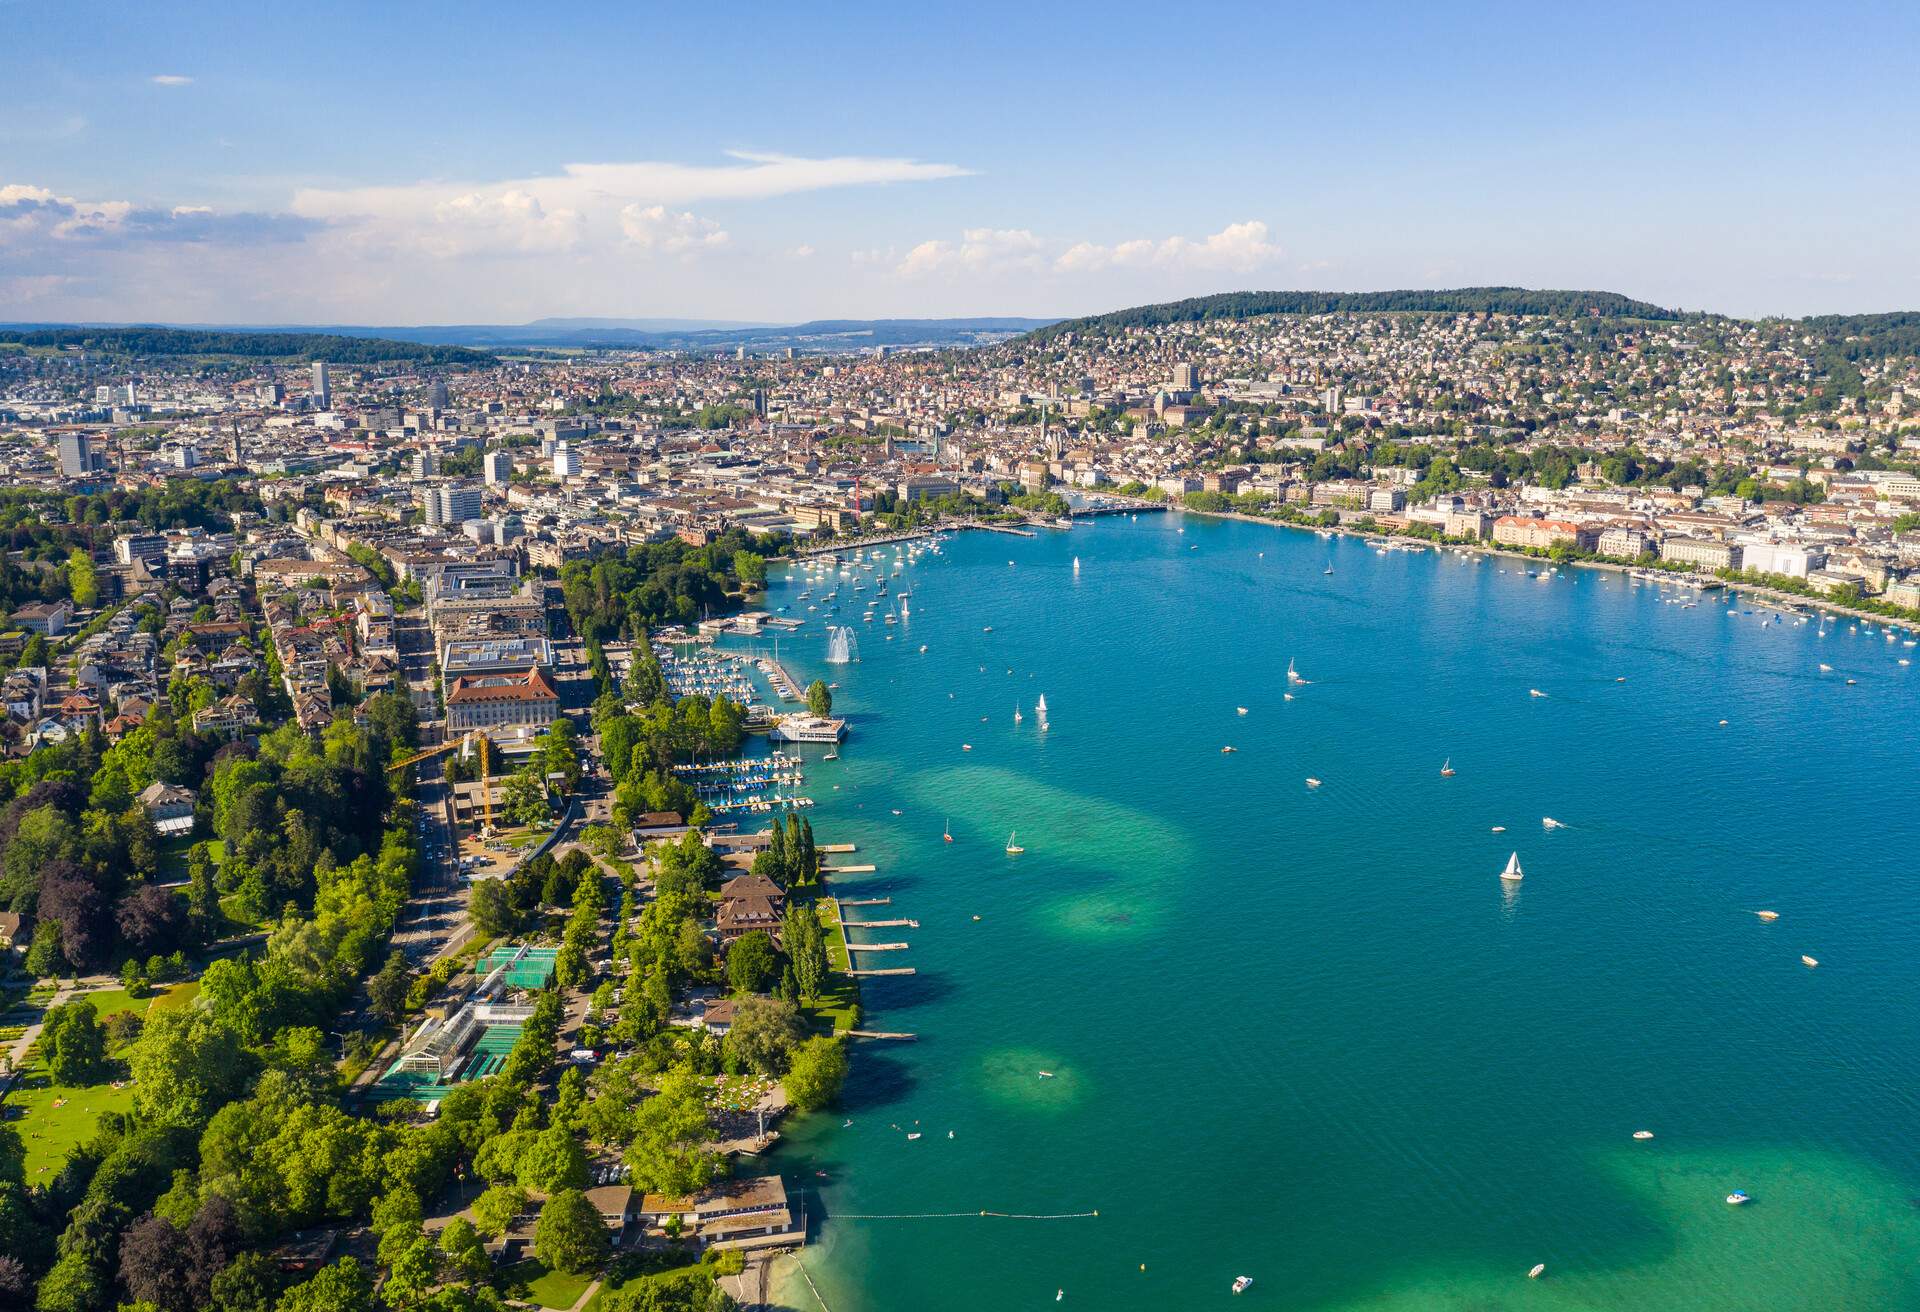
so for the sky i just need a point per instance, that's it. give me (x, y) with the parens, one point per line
(475, 162)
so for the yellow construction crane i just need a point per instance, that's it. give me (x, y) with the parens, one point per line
(463, 742)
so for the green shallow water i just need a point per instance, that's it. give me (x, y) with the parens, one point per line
(1304, 1034)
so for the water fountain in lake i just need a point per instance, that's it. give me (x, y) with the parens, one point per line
(841, 648)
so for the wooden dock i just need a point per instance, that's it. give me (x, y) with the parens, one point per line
(876, 947)
(847, 870)
(880, 1034)
(890, 970)
(881, 924)
(866, 902)
(835, 847)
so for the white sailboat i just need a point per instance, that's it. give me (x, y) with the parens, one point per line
(1040, 711)
(1076, 564)
(1293, 675)
(1017, 717)
(1513, 870)
(1014, 848)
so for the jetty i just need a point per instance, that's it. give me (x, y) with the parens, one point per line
(881, 1034)
(881, 924)
(866, 901)
(835, 847)
(876, 947)
(890, 970)
(848, 870)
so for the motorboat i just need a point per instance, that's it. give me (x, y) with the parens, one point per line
(1241, 1284)
(1739, 1198)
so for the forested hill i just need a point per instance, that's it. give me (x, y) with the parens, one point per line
(1459, 300)
(253, 345)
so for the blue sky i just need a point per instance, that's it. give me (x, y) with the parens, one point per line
(479, 162)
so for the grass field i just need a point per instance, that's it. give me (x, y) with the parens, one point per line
(555, 1289)
(669, 1267)
(838, 1009)
(51, 1131)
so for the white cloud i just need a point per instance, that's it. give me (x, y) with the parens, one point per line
(36, 216)
(1236, 248)
(979, 250)
(558, 210)
(801, 252)
(172, 80)
(655, 227)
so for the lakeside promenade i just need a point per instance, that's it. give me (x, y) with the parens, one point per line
(1683, 578)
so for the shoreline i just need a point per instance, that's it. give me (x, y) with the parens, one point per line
(1680, 578)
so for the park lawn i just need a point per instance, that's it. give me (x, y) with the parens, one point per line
(554, 1289)
(51, 1132)
(838, 1008)
(628, 1272)
(170, 997)
(237, 921)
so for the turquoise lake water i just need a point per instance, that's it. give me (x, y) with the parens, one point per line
(1305, 1034)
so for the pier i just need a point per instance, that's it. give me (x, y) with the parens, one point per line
(848, 870)
(836, 847)
(881, 1034)
(875, 947)
(866, 902)
(890, 970)
(881, 924)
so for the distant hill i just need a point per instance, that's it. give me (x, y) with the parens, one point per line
(333, 348)
(1460, 300)
(626, 335)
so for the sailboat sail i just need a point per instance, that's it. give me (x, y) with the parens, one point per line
(1513, 870)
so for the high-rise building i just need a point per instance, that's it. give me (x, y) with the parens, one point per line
(499, 468)
(322, 388)
(425, 464)
(1185, 379)
(77, 455)
(450, 503)
(566, 461)
(437, 394)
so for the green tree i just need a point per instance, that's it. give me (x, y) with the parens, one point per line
(75, 1045)
(494, 1210)
(553, 1161)
(570, 1235)
(82, 582)
(465, 1252)
(819, 698)
(764, 1034)
(387, 991)
(525, 801)
(669, 1153)
(343, 1287)
(818, 1069)
(491, 908)
(752, 962)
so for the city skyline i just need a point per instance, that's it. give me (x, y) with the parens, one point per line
(443, 166)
